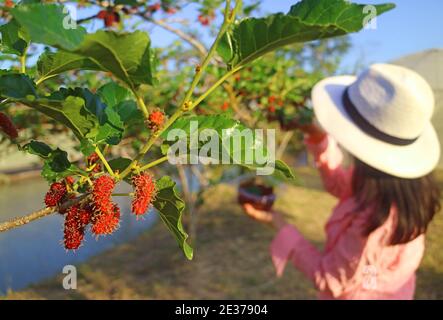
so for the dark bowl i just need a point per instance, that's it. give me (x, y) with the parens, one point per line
(260, 196)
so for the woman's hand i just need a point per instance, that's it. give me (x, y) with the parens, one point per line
(273, 218)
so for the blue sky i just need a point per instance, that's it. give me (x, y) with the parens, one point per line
(412, 26)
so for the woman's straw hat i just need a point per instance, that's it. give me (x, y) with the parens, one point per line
(382, 117)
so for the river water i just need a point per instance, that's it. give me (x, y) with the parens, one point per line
(33, 252)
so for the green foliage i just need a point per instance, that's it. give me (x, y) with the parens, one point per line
(226, 131)
(51, 64)
(103, 108)
(56, 164)
(308, 20)
(49, 24)
(14, 39)
(126, 55)
(17, 86)
(170, 208)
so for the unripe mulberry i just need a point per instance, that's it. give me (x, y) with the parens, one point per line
(156, 119)
(144, 193)
(7, 126)
(55, 194)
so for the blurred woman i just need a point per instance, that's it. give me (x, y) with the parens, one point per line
(386, 196)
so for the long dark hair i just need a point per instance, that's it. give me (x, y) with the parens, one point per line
(417, 200)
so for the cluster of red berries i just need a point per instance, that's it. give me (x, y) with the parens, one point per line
(7, 126)
(156, 120)
(99, 211)
(206, 20)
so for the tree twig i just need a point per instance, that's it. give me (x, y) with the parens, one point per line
(191, 40)
(20, 221)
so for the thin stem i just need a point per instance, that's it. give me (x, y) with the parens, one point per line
(105, 163)
(123, 194)
(191, 40)
(154, 163)
(215, 86)
(141, 104)
(207, 59)
(23, 62)
(186, 104)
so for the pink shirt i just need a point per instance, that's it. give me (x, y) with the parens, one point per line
(351, 266)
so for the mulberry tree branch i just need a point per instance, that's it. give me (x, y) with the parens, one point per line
(20, 221)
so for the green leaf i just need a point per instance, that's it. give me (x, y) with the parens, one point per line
(118, 98)
(126, 55)
(59, 161)
(283, 168)
(49, 24)
(38, 148)
(14, 38)
(17, 86)
(70, 111)
(307, 20)
(51, 64)
(129, 112)
(87, 147)
(170, 208)
(56, 165)
(109, 128)
(119, 164)
(226, 131)
(51, 175)
(112, 94)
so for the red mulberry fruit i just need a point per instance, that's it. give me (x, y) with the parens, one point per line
(55, 194)
(156, 119)
(101, 194)
(106, 222)
(144, 193)
(74, 231)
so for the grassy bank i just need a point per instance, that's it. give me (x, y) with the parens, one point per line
(231, 257)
